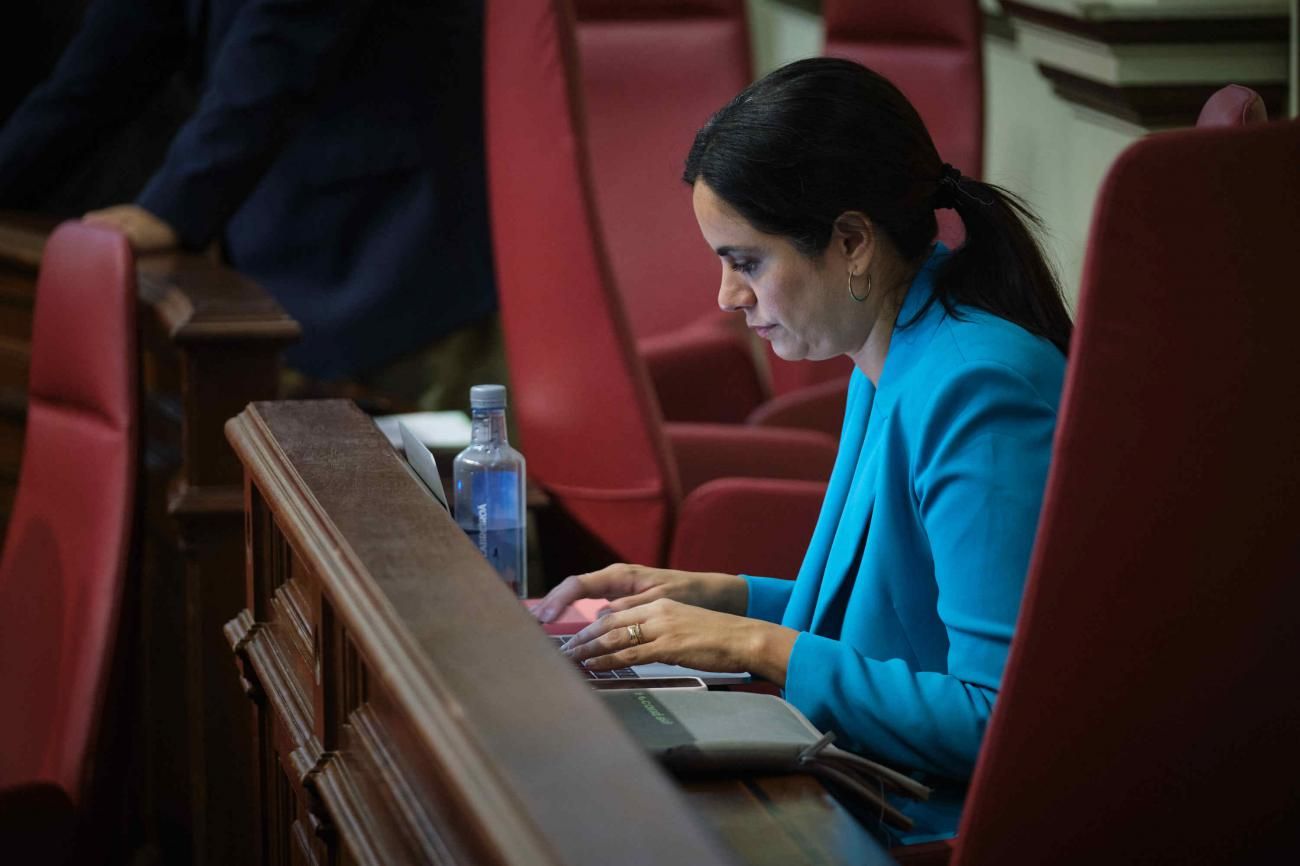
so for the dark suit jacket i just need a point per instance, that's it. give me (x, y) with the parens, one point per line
(337, 150)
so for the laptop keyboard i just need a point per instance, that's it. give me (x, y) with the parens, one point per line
(616, 674)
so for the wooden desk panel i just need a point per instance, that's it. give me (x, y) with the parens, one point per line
(408, 709)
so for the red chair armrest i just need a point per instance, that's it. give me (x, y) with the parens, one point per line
(704, 374)
(708, 451)
(817, 407)
(747, 525)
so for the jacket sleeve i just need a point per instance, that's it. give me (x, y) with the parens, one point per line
(978, 470)
(277, 56)
(768, 597)
(122, 53)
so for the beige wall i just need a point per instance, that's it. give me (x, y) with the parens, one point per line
(1053, 154)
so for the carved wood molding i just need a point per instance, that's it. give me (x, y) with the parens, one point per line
(1154, 66)
(1152, 106)
(198, 300)
(472, 737)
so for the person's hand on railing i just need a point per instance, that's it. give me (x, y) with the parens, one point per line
(145, 232)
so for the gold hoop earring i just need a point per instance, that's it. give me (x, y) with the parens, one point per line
(855, 297)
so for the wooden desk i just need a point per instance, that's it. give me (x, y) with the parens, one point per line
(408, 710)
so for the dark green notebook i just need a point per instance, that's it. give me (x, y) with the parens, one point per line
(710, 732)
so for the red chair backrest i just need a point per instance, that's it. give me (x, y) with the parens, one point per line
(1233, 105)
(1149, 711)
(589, 421)
(652, 73)
(933, 51)
(65, 555)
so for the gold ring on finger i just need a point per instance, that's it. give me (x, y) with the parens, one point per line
(634, 632)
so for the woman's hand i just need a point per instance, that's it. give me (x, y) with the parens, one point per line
(682, 634)
(631, 585)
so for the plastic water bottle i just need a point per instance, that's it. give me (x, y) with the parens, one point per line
(489, 480)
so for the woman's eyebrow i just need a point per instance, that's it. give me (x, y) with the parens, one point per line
(723, 252)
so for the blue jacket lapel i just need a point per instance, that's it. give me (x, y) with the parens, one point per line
(845, 554)
(836, 552)
(804, 597)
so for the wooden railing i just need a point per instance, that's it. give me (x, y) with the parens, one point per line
(210, 342)
(409, 710)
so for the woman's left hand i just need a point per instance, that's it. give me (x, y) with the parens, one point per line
(683, 634)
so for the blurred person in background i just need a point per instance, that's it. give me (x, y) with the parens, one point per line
(335, 154)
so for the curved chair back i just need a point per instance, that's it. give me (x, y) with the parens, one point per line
(589, 421)
(652, 72)
(933, 51)
(1233, 105)
(1148, 713)
(65, 556)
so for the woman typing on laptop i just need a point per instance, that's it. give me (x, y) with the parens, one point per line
(817, 187)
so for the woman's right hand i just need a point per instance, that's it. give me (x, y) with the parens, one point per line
(631, 585)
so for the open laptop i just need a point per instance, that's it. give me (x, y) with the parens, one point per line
(584, 611)
(420, 459)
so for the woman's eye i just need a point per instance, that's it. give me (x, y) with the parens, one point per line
(744, 267)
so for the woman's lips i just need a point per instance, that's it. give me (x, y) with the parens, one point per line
(763, 330)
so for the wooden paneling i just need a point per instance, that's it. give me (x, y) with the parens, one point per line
(409, 710)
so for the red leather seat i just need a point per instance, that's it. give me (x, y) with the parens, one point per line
(65, 555)
(589, 422)
(933, 51)
(1233, 105)
(1149, 712)
(652, 72)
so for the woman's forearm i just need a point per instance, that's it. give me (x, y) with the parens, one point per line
(725, 593)
(770, 650)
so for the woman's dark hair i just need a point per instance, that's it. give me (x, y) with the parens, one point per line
(816, 138)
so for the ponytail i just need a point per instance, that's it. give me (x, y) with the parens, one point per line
(1000, 268)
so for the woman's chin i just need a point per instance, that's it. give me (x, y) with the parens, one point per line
(787, 355)
(788, 350)
(797, 353)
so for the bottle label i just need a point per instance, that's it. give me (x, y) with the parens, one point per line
(495, 524)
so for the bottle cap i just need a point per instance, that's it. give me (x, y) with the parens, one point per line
(487, 397)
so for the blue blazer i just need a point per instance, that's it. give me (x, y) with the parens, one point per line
(337, 151)
(909, 592)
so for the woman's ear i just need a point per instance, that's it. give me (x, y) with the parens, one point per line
(854, 236)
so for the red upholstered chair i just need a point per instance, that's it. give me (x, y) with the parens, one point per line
(1149, 712)
(652, 72)
(65, 556)
(933, 51)
(590, 423)
(1233, 105)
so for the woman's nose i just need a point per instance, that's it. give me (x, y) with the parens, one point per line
(734, 293)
